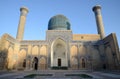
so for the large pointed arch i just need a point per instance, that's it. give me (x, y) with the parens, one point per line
(59, 51)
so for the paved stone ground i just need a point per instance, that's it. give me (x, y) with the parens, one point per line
(59, 74)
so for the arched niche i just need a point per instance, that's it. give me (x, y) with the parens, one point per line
(21, 58)
(59, 53)
(42, 63)
(7, 44)
(10, 59)
(74, 51)
(74, 63)
(95, 56)
(35, 51)
(109, 57)
(43, 51)
(82, 50)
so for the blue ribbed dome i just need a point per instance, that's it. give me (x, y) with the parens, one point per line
(59, 22)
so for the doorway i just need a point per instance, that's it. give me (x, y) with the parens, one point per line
(83, 63)
(35, 63)
(59, 62)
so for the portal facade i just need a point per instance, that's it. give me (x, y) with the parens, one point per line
(61, 49)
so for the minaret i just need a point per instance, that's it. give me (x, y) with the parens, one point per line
(100, 27)
(20, 32)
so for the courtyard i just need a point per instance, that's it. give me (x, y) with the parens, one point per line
(59, 74)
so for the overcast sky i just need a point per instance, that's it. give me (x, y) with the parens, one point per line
(79, 12)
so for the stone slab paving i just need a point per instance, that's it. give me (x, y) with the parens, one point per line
(108, 75)
(111, 75)
(57, 78)
(59, 74)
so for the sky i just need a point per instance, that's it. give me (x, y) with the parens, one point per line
(79, 13)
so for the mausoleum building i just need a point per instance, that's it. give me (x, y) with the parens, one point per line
(61, 49)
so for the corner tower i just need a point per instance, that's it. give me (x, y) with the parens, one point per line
(21, 26)
(100, 27)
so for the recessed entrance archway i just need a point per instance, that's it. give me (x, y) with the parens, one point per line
(59, 54)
